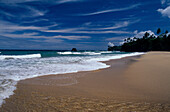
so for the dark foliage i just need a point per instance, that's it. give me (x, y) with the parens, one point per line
(158, 31)
(147, 43)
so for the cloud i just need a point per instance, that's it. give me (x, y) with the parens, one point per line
(141, 33)
(72, 37)
(104, 32)
(16, 1)
(77, 31)
(84, 30)
(48, 38)
(116, 38)
(36, 20)
(165, 12)
(20, 43)
(110, 44)
(18, 11)
(111, 10)
(119, 25)
(9, 29)
(6, 27)
(6, 14)
(46, 1)
(24, 35)
(165, 2)
(35, 12)
(66, 1)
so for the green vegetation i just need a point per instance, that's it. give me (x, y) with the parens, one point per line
(146, 43)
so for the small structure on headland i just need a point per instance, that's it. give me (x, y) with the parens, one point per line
(74, 50)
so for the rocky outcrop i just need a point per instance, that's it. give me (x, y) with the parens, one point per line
(74, 50)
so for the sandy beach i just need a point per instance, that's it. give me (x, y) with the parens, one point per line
(138, 83)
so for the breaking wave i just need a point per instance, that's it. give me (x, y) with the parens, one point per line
(28, 66)
(19, 56)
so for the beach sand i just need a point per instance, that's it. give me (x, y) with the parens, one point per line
(139, 83)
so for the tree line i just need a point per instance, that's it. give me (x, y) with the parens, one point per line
(146, 43)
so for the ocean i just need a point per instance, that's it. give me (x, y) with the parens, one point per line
(20, 65)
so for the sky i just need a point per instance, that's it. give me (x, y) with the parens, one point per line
(83, 24)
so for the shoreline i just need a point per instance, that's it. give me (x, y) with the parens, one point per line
(95, 86)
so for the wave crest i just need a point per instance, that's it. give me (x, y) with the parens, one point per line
(78, 53)
(19, 56)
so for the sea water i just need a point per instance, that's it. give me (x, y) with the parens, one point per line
(19, 65)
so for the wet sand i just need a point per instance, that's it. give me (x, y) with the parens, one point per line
(140, 83)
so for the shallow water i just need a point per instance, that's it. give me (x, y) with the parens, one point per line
(19, 65)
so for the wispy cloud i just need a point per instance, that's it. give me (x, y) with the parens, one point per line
(36, 20)
(19, 11)
(35, 12)
(117, 25)
(46, 1)
(24, 35)
(78, 31)
(7, 14)
(72, 37)
(92, 29)
(165, 12)
(65, 1)
(120, 24)
(116, 38)
(16, 1)
(103, 32)
(37, 36)
(165, 2)
(9, 30)
(110, 10)
(6, 27)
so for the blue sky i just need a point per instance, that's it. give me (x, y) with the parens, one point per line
(84, 24)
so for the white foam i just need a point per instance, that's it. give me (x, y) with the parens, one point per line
(118, 56)
(79, 53)
(8, 88)
(92, 53)
(105, 52)
(12, 71)
(19, 56)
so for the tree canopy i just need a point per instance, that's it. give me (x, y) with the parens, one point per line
(146, 43)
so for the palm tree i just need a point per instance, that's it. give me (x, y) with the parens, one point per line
(166, 31)
(158, 31)
(146, 35)
(128, 39)
(134, 38)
